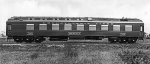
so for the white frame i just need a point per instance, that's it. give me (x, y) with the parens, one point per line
(79, 26)
(116, 27)
(9, 27)
(55, 25)
(141, 28)
(68, 27)
(128, 28)
(40, 28)
(102, 27)
(92, 26)
(31, 28)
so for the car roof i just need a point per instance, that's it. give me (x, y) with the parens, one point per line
(72, 19)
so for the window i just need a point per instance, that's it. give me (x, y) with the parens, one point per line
(43, 27)
(80, 26)
(29, 26)
(116, 27)
(141, 28)
(55, 26)
(128, 27)
(92, 27)
(9, 27)
(68, 27)
(104, 27)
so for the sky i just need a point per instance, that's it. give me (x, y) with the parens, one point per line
(76, 8)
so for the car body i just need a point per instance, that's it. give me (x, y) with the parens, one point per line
(29, 29)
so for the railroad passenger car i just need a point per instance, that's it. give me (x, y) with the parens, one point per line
(36, 29)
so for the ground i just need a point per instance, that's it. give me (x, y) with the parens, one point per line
(75, 53)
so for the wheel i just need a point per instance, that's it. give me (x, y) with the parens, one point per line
(123, 40)
(113, 40)
(39, 39)
(58, 38)
(132, 40)
(18, 39)
(28, 39)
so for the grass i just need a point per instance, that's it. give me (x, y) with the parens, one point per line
(144, 41)
(57, 55)
(134, 56)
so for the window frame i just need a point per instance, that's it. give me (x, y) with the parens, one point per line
(56, 25)
(91, 26)
(129, 26)
(141, 28)
(43, 25)
(104, 26)
(117, 27)
(66, 25)
(80, 25)
(30, 25)
(9, 27)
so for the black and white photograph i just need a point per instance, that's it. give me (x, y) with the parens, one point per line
(74, 31)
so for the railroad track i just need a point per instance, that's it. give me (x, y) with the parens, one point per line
(64, 43)
(61, 43)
